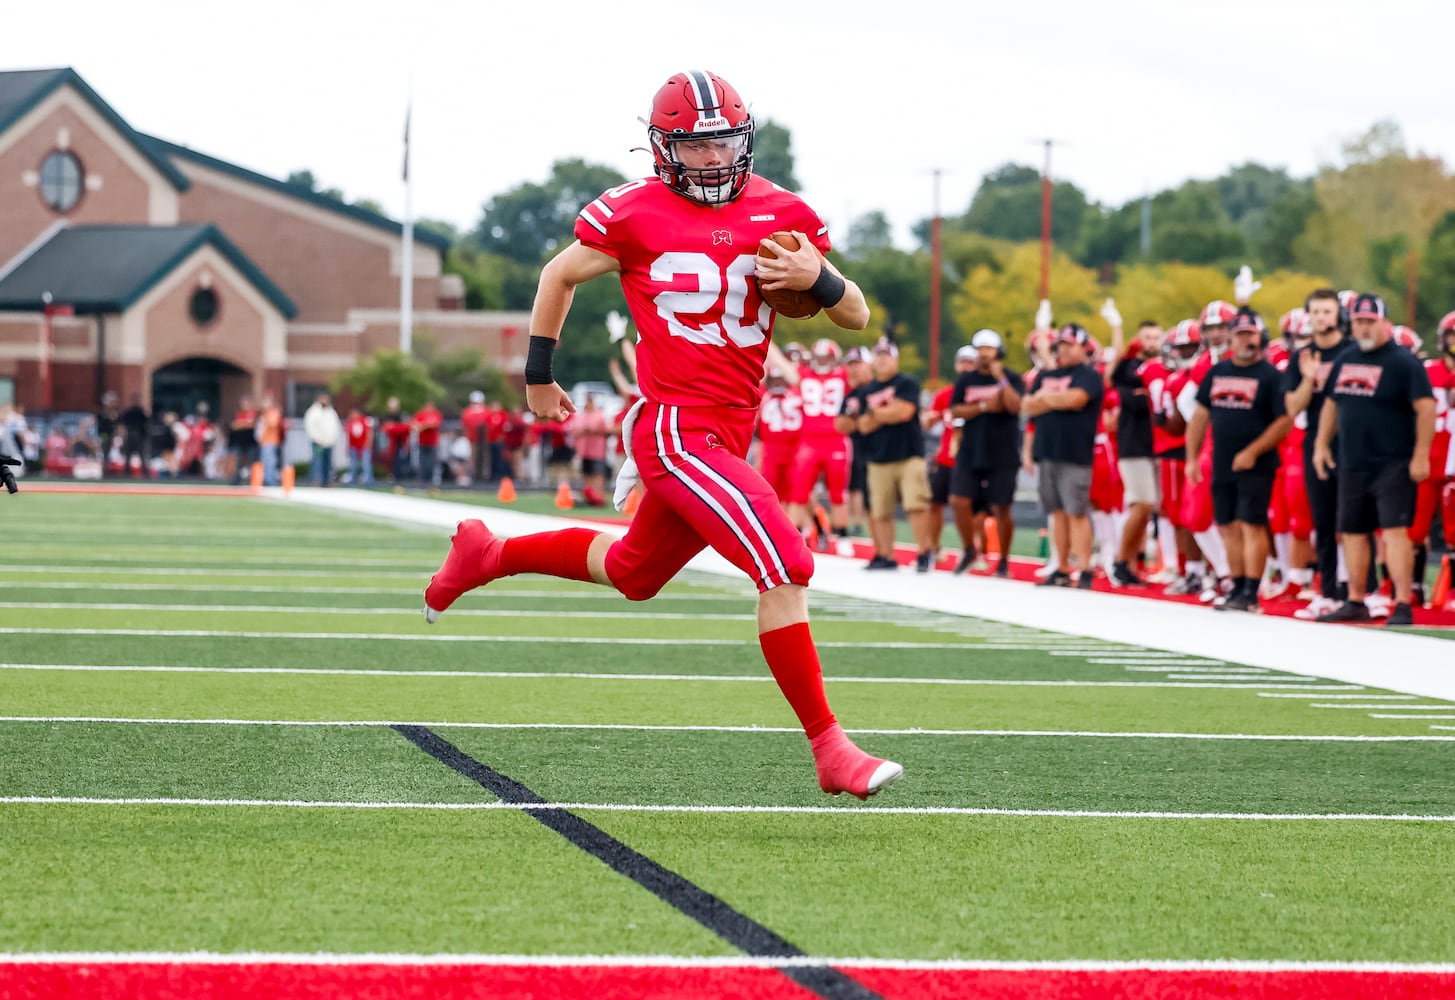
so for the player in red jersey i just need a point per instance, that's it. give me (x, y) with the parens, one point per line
(823, 451)
(1289, 517)
(1439, 489)
(780, 425)
(684, 243)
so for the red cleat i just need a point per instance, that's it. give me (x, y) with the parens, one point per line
(474, 561)
(843, 767)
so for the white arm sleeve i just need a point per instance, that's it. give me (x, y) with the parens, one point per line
(1187, 401)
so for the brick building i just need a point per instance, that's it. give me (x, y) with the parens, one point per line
(149, 267)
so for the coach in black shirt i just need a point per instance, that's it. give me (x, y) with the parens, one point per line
(1241, 398)
(1135, 459)
(1066, 407)
(1380, 404)
(894, 446)
(988, 399)
(1305, 382)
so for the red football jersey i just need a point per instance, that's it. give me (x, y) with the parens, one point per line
(1442, 381)
(780, 419)
(951, 427)
(687, 271)
(823, 395)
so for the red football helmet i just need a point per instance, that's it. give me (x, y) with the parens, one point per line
(703, 109)
(1407, 338)
(795, 352)
(1218, 313)
(1182, 344)
(1447, 325)
(1296, 323)
(827, 355)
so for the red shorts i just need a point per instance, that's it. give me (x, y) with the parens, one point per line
(701, 492)
(1106, 481)
(1428, 495)
(775, 462)
(1288, 509)
(1197, 503)
(824, 457)
(1173, 481)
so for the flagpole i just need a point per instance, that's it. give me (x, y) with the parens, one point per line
(406, 270)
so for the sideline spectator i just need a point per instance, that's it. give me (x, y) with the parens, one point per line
(500, 431)
(1380, 404)
(270, 440)
(359, 429)
(1135, 452)
(942, 463)
(427, 423)
(242, 439)
(397, 429)
(856, 363)
(889, 421)
(136, 423)
(473, 427)
(1067, 409)
(108, 425)
(321, 424)
(988, 399)
(589, 429)
(1241, 401)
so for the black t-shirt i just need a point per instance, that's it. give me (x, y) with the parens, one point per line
(988, 440)
(1069, 435)
(1134, 413)
(1375, 393)
(135, 420)
(893, 442)
(853, 406)
(1293, 378)
(1242, 401)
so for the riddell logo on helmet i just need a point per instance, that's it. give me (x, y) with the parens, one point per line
(709, 123)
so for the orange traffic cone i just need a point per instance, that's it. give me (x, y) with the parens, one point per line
(633, 501)
(507, 491)
(1442, 585)
(288, 477)
(992, 537)
(255, 477)
(564, 499)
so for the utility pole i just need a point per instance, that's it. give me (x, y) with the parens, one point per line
(1046, 225)
(935, 270)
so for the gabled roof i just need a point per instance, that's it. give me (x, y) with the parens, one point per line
(163, 147)
(22, 90)
(105, 269)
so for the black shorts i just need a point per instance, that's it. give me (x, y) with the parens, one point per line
(593, 466)
(1377, 498)
(940, 483)
(984, 488)
(858, 472)
(1242, 497)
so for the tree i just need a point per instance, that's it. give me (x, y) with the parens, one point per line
(1283, 223)
(439, 227)
(1007, 206)
(492, 281)
(303, 178)
(389, 373)
(1190, 225)
(1004, 298)
(869, 232)
(531, 220)
(773, 154)
(461, 372)
(1171, 292)
(1437, 274)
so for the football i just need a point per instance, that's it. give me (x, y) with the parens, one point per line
(787, 301)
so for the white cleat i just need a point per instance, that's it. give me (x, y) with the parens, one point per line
(884, 775)
(431, 615)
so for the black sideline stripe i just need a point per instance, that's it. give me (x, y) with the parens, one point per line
(692, 901)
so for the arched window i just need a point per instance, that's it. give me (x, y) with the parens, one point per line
(61, 180)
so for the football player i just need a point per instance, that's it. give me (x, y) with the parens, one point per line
(1439, 488)
(823, 451)
(780, 425)
(683, 243)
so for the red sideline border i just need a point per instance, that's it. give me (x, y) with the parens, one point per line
(246, 980)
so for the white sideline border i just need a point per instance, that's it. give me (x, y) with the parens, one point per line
(1394, 661)
(718, 962)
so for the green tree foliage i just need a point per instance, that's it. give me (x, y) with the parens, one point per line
(1437, 275)
(1004, 297)
(492, 281)
(461, 372)
(773, 154)
(389, 373)
(868, 233)
(1007, 206)
(532, 220)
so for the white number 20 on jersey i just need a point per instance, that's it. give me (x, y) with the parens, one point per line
(742, 330)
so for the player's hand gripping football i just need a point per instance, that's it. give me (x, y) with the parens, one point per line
(549, 402)
(795, 269)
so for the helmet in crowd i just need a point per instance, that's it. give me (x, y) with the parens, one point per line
(701, 107)
(1218, 313)
(827, 355)
(795, 352)
(775, 382)
(1296, 323)
(1407, 338)
(1447, 325)
(1182, 344)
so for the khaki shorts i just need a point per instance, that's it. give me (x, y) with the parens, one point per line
(1139, 480)
(906, 482)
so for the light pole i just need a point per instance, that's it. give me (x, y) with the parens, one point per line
(1046, 225)
(935, 272)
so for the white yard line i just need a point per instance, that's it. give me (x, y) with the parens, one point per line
(714, 962)
(1402, 708)
(701, 809)
(577, 675)
(788, 730)
(1320, 694)
(1409, 664)
(599, 594)
(304, 609)
(1372, 716)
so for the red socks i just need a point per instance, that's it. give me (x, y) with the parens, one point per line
(793, 659)
(552, 553)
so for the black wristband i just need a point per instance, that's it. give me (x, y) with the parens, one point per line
(538, 361)
(828, 288)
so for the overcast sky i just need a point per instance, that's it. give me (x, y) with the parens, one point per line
(876, 94)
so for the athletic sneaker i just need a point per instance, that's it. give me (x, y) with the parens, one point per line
(1084, 579)
(1379, 605)
(1189, 584)
(1349, 611)
(881, 562)
(1003, 569)
(1122, 576)
(474, 561)
(1167, 574)
(1401, 615)
(967, 558)
(1317, 608)
(1213, 589)
(843, 767)
(922, 562)
(1056, 579)
(980, 565)
(1045, 570)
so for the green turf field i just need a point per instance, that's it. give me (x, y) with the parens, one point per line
(199, 694)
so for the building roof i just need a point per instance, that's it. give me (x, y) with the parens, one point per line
(165, 148)
(22, 90)
(105, 269)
